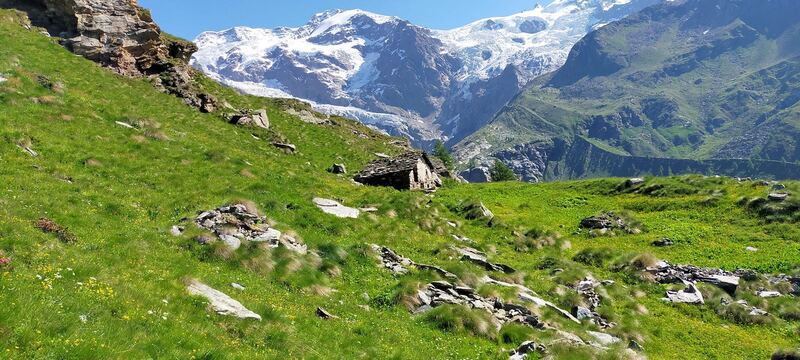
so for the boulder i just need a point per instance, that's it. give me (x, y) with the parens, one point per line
(220, 303)
(690, 295)
(257, 118)
(333, 207)
(766, 294)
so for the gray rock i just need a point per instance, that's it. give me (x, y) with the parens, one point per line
(527, 347)
(778, 197)
(338, 169)
(333, 207)
(603, 339)
(582, 313)
(768, 294)
(635, 346)
(289, 148)
(231, 241)
(480, 258)
(176, 230)
(220, 303)
(691, 295)
(324, 314)
(257, 118)
(663, 242)
(237, 286)
(234, 224)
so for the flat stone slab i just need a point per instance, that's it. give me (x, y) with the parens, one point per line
(219, 302)
(333, 207)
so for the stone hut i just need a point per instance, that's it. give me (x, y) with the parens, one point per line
(410, 171)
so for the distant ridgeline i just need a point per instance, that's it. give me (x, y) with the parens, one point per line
(584, 160)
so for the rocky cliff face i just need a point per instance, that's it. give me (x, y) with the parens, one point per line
(119, 35)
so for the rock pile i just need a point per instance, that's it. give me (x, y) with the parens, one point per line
(606, 223)
(528, 347)
(235, 223)
(440, 293)
(220, 303)
(666, 273)
(337, 169)
(478, 257)
(399, 265)
(586, 289)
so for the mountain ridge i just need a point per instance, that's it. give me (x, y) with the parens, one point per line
(695, 79)
(386, 66)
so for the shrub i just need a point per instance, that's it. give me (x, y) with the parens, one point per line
(51, 227)
(515, 333)
(458, 318)
(594, 257)
(441, 152)
(501, 172)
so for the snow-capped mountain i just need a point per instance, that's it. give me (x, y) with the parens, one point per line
(399, 77)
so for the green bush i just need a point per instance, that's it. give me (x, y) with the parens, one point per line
(500, 172)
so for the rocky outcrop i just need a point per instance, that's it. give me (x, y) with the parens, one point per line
(440, 293)
(220, 303)
(119, 35)
(399, 265)
(335, 208)
(479, 258)
(255, 118)
(476, 175)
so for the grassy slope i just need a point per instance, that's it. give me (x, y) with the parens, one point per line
(132, 271)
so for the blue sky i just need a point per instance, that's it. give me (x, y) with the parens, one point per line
(188, 18)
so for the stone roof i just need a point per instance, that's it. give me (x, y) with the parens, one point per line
(400, 163)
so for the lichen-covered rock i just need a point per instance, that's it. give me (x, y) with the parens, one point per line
(235, 223)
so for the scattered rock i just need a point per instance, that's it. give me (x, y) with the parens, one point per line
(766, 294)
(607, 222)
(288, 148)
(176, 230)
(439, 293)
(586, 289)
(665, 273)
(333, 207)
(480, 258)
(634, 182)
(691, 295)
(477, 211)
(603, 339)
(522, 351)
(237, 286)
(337, 169)
(257, 118)
(778, 187)
(778, 197)
(124, 124)
(528, 295)
(2, 78)
(665, 242)
(236, 223)
(635, 346)
(786, 355)
(28, 150)
(399, 265)
(382, 155)
(325, 315)
(751, 310)
(220, 303)
(751, 249)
